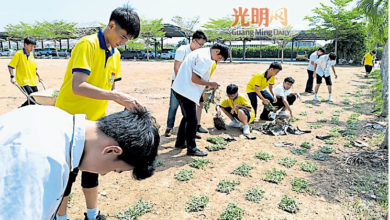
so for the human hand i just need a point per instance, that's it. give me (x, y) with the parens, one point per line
(13, 81)
(265, 101)
(129, 102)
(275, 100)
(213, 85)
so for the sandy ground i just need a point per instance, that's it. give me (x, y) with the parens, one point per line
(150, 82)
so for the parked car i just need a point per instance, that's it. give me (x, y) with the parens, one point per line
(63, 53)
(170, 54)
(131, 54)
(37, 52)
(7, 52)
(152, 55)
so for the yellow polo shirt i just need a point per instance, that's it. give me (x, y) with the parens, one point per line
(260, 80)
(368, 59)
(90, 56)
(26, 68)
(213, 67)
(240, 100)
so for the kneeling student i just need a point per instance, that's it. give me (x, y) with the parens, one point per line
(285, 98)
(237, 108)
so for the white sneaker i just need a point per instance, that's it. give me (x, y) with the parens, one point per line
(316, 98)
(246, 130)
(234, 124)
(330, 99)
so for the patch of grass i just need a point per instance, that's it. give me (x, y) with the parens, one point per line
(339, 110)
(330, 141)
(243, 170)
(315, 126)
(299, 151)
(199, 163)
(320, 156)
(354, 116)
(308, 106)
(184, 175)
(346, 102)
(288, 204)
(300, 185)
(196, 204)
(226, 186)
(348, 144)
(335, 120)
(138, 209)
(322, 120)
(231, 212)
(327, 149)
(319, 112)
(264, 156)
(307, 144)
(254, 195)
(335, 129)
(274, 176)
(303, 113)
(217, 140)
(308, 166)
(352, 124)
(323, 100)
(216, 147)
(287, 162)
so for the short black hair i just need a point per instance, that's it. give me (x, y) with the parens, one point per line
(374, 52)
(289, 79)
(332, 56)
(199, 35)
(30, 40)
(223, 50)
(137, 134)
(127, 19)
(231, 89)
(275, 65)
(321, 49)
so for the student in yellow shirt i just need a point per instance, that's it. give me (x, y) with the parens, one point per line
(257, 85)
(237, 108)
(368, 62)
(93, 70)
(26, 69)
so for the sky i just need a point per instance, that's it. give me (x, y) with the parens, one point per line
(98, 11)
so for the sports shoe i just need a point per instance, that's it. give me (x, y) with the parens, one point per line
(330, 99)
(316, 98)
(168, 132)
(98, 217)
(202, 130)
(246, 130)
(197, 153)
(234, 124)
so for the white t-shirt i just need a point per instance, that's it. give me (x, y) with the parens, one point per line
(181, 54)
(323, 65)
(280, 91)
(313, 57)
(199, 62)
(39, 146)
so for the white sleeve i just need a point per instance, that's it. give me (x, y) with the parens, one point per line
(200, 66)
(180, 54)
(312, 57)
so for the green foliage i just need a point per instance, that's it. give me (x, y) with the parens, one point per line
(184, 175)
(196, 204)
(330, 141)
(199, 163)
(287, 162)
(288, 204)
(217, 140)
(231, 212)
(264, 156)
(159, 163)
(254, 195)
(299, 151)
(322, 120)
(300, 185)
(303, 113)
(320, 156)
(319, 112)
(348, 144)
(226, 186)
(135, 211)
(376, 88)
(308, 166)
(215, 147)
(274, 176)
(306, 144)
(315, 126)
(327, 149)
(243, 170)
(151, 30)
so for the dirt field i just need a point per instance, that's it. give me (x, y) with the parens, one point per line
(337, 193)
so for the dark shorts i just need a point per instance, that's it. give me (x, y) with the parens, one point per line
(327, 80)
(368, 68)
(201, 98)
(248, 115)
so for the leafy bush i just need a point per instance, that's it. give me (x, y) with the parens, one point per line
(254, 195)
(226, 186)
(274, 176)
(243, 170)
(217, 140)
(138, 209)
(264, 156)
(300, 185)
(184, 175)
(196, 204)
(287, 162)
(327, 149)
(299, 151)
(306, 144)
(231, 212)
(308, 166)
(199, 163)
(215, 147)
(288, 204)
(320, 156)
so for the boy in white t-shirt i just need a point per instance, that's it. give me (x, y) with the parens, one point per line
(190, 82)
(322, 70)
(285, 97)
(310, 69)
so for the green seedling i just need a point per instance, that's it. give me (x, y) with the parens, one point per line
(199, 163)
(320, 156)
(254, 195)
(264, 156)
(288, 204)
(287, 162)
(196, 204)
(232, 212)
(184, 175)
(299, 151)
(135, 211)
(226, 186)
(300, 185)
(308, 166)
(274, 176)
(216, 147)
(306, 144)
(243, 170)
(327, 149)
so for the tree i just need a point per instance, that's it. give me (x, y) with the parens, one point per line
(186, 25)
(150, 31)
(337, 23)
(58, 30)
(282, 36)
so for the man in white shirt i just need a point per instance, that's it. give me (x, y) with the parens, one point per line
(310, 69)
(199, 38)
(285, 97)
(190, 82)
(322, 70)
(37, 157)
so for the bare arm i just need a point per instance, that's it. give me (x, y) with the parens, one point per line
(265, 101)
(287, 106)
(197, 80)
(363, 60)
(176, 66)
(315, 69)
(312, 63)
(334, 71)
(12, 75)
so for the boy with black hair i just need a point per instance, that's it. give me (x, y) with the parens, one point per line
(322, 70)
(310, 69)
(368, 62)
(89, 82)
(26, 69)
(256, 88)
(199, 38)
(191, 80)
(237, 108)
(38, 156)
(285, 98)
